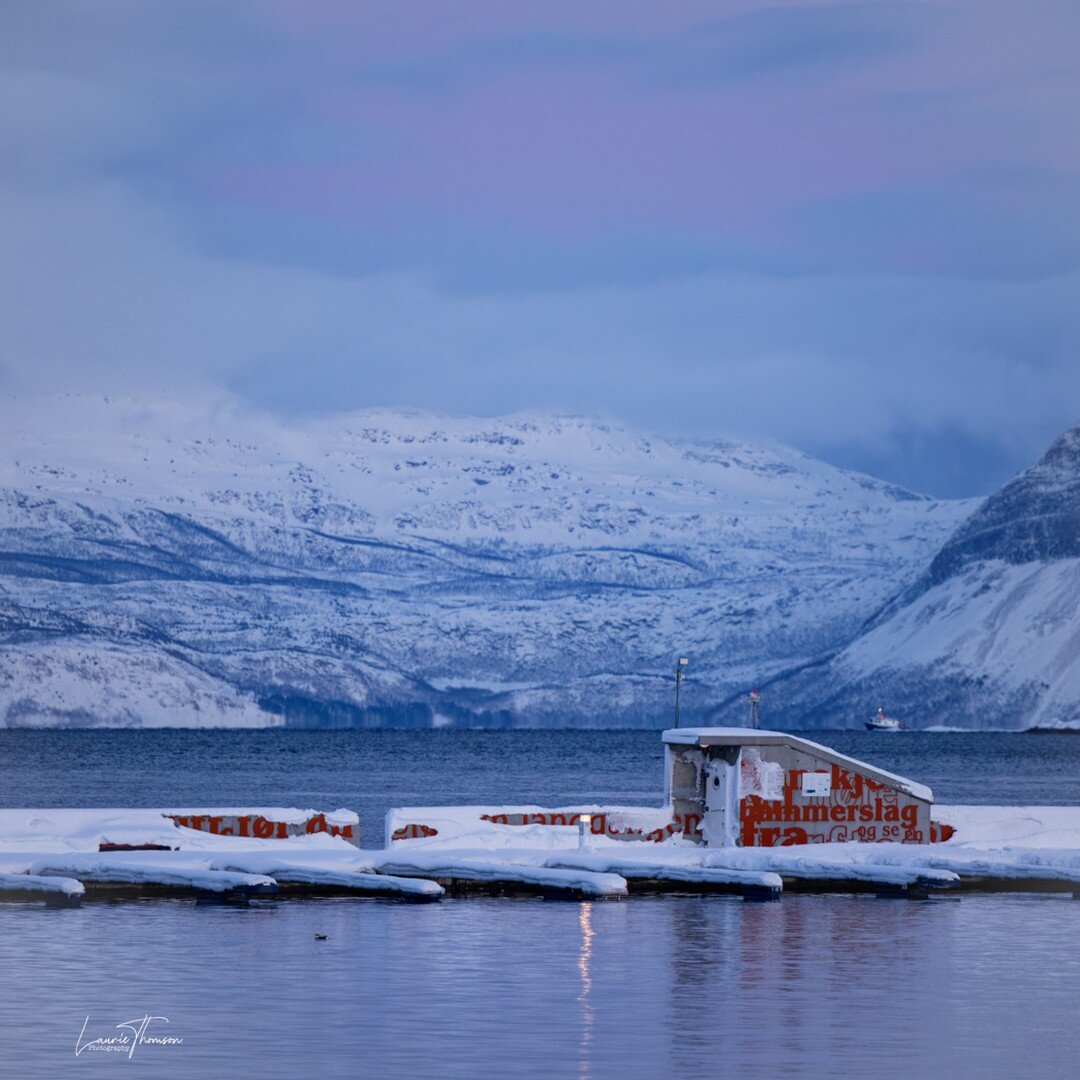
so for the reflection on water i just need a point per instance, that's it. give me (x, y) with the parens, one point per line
(585, 921)
(984, 986)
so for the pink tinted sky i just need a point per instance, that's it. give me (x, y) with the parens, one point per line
(606, 141)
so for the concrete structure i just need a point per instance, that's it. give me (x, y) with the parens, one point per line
(269, 824)
(739, 787)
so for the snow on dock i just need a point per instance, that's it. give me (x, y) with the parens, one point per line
(338, 876)
(897, 864)
(694, 869)
(650, 872)
(62, 856)
(55, 891)
(799, 864)
(113, 870)
(237, 876)
(465, 869)
(108, 850)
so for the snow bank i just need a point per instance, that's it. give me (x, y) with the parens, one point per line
(83, 830)
(86, 829)
(835, 862)
(334, 871)
(37, 883)
(147, 870)
(882, 862)
(1000, 826)
(482, 866)
(669, 867)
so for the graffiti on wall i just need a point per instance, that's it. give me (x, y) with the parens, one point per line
(262, 828)
(835, 804)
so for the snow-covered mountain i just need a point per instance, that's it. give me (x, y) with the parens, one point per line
(989, 636)
(177, 564)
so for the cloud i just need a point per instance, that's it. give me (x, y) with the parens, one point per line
(818, 223)
(778, 41)
(768, 42)
(1012, 226)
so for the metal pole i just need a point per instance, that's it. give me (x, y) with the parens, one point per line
(678, 683)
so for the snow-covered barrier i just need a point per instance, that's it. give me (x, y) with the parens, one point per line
(119, 829)
(612, 822)
(278, 823)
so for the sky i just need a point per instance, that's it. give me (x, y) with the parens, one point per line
(850, 227)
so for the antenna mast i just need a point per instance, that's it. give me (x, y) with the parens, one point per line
(754, 697)
(678, 683)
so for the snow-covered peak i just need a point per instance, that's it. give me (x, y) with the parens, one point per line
(1034, 518)
(542, 478)
(988, 636)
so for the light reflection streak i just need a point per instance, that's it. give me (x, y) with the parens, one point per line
(586, 1009)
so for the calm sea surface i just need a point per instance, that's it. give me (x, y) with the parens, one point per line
(981, 986)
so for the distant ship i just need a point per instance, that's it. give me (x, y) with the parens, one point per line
(880, 722)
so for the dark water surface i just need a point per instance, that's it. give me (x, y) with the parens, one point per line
(984, 986)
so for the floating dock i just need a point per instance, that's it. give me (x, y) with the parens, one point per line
(53, 891)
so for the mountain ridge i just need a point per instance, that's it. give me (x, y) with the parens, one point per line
(403, 567)
(987, 636)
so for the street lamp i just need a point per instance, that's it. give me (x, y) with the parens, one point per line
(678, 683)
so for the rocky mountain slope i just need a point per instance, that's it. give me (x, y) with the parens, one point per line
(989, 636)
(180, 564)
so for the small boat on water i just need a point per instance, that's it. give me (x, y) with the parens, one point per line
(880, 722)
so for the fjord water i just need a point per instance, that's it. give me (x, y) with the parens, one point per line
(981, 986)
(984, 987)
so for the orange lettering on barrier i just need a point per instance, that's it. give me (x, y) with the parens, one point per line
(262, 828)
(413, 832)
(940, 833)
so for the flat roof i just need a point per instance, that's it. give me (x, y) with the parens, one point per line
(727, 736)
